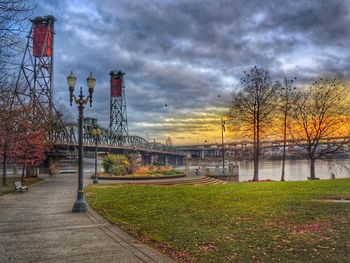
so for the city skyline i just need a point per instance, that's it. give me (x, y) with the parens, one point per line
(184, 55)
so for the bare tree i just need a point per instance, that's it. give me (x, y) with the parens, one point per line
(319, 117)
(286, 97)
(13, 15)
(66, 113)
(253, 107)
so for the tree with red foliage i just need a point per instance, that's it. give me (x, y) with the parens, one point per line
(23, 135)
(9, 120)
(29, 149)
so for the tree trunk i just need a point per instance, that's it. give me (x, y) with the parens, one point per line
(4, 166)
(256, 164)
(283, 164)
(256, 151)
(284, 145)
(23, 171)
(312, 169)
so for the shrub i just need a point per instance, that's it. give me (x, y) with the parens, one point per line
(118, 170)
(117, 164)
(107, 164)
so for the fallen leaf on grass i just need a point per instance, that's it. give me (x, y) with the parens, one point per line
(310, 228)
(180, 256)
(208, 247)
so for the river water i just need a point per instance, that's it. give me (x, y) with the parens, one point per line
(296, 170)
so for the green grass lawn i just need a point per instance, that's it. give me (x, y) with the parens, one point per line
(11, 180)
(243, 222)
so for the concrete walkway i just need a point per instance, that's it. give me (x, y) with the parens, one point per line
(39, 226)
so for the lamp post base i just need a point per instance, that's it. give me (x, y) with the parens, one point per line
(80, 206)
(95, 181)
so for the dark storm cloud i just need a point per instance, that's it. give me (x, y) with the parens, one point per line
(185, 53)
(322, 22)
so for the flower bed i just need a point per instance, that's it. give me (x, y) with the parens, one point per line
(122, 167)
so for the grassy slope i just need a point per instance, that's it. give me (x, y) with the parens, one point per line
(245, 222)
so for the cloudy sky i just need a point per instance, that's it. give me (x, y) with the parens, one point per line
(186, 53)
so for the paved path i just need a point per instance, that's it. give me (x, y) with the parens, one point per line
(39, 226)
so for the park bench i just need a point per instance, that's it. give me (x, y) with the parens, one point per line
(19, 187)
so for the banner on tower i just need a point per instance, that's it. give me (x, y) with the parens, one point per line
(40, 46)
(116, 87)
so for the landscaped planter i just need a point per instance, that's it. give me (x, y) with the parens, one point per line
(138, 177)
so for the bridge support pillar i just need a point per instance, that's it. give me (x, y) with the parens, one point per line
(53, 164)
(161, 160)
(172, 160)
(187, 165)
(146, 159)
(180, 160)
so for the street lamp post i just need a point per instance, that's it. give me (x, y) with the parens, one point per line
(96, 132)
(222, 144)
(222, 141)
(80, 204)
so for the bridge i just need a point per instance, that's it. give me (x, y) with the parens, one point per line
(245, 148)
(149, 152)
(34, 86)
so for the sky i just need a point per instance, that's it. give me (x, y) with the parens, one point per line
(191, 55)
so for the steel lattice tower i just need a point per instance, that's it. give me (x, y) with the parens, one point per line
(118, 126)
(34, 84)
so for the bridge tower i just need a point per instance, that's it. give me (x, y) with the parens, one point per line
(34, 81)
(34, 84)
(118, 126)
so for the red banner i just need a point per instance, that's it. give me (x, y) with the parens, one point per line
(40, 48)
(116, 89)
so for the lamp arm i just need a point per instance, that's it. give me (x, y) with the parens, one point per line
(76, 99)
(73, 98)
(81, 101)
(91, 91)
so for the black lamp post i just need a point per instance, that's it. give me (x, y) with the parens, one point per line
(222, 141)
(96, 132)
(222, 144)
(80, 204)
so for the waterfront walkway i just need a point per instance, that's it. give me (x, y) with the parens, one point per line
(39, 226)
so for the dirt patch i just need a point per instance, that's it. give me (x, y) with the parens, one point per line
(310, 228)
(276, 224)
